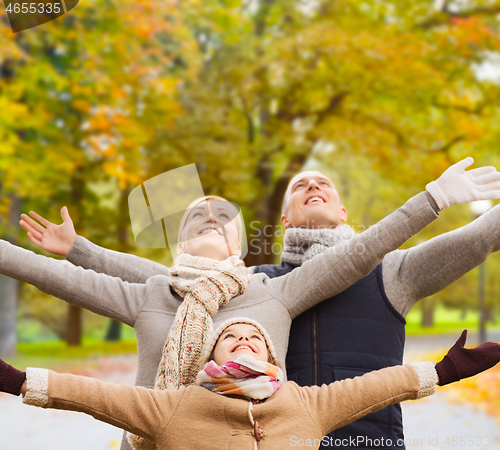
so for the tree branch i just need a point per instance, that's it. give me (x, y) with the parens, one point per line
(334, 102)
(445, 148)
(477, 110)
(385, 126)
(444, 15)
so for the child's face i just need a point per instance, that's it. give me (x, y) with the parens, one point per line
(240, 339)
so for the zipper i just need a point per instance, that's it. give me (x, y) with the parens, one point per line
(315, 346)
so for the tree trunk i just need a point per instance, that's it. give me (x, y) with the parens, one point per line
(268, 209)
(114, 332)
(8, 303)
(490, 314)
(260, 244)
(427, 313)
(74, 329)
(9, 291)
(74, 323)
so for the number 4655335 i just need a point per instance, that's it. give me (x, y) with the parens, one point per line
(33, 8)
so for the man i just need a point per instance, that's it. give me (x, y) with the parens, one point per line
(363, 328)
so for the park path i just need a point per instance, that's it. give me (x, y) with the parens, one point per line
(25, 427)
(428, 422)
(434, 423)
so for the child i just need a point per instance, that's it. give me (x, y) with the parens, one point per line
(240, 400)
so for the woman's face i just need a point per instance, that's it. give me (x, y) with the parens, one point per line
(211, 231)
(240, 339)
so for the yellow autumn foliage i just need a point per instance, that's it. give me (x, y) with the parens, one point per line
(483, 390)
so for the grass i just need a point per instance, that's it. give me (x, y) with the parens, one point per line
(58, 355)
(95, 328)
(446, 321)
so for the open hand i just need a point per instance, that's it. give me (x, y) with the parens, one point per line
(57, 239)
(456, 186)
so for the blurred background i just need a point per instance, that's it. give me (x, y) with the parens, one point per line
(382, 96)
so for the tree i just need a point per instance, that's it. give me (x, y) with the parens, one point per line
(114, 94)
(278, 82)
(76, 90)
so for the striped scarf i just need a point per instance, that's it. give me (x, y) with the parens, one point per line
(205, 284)
(243, 376)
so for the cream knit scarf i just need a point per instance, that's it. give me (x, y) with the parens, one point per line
(302, 244)
(205, 284)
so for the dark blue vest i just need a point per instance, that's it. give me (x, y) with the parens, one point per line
(355, 332)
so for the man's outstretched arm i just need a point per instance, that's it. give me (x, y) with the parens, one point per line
(339, 267)
(410, 275)
(63, 240)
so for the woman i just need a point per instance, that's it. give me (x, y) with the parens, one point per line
(240, 400)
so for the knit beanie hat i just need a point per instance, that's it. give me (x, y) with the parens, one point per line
(212, 340)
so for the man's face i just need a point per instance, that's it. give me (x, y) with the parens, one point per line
(240, 339)
(211, 231)
(313, 202)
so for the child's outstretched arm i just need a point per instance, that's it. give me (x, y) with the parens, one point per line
(339, 267)
(136, 409)
(343, 402)
(63, 240)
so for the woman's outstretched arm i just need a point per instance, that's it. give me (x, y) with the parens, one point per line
(127, 267)
(63, 240)
(339, 267)
(99, 293)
